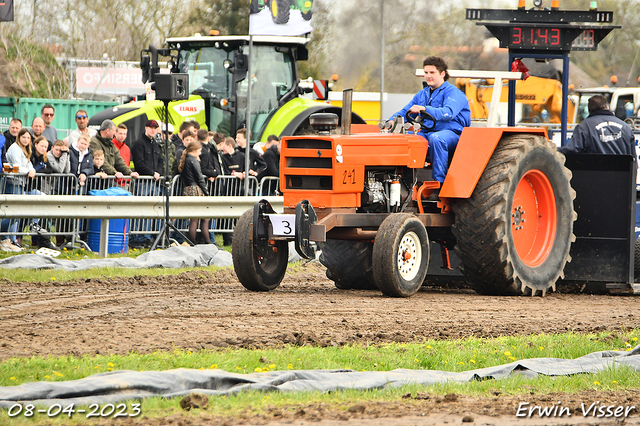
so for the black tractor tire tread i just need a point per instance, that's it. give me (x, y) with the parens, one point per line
(244, 262)
(482, 222)
(348, 263)
(283, 11)
(385, 272)
(255, 7)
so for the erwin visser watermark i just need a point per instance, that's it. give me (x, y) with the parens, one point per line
(595, 409)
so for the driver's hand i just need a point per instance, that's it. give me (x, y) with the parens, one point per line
(416, 109)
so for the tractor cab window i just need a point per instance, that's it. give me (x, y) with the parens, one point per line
(206, 71)
(624, 107)
(272, 78)
(210, 79)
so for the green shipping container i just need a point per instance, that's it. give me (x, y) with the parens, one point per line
(7, 111)
(26, 109)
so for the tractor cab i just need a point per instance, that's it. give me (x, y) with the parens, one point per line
(217, 69)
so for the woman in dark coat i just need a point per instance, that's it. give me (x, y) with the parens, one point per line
(194, 185)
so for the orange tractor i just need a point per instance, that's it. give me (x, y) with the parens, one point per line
(506, 206)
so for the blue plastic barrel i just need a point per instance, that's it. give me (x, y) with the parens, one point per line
(118, 235)
(118, 228)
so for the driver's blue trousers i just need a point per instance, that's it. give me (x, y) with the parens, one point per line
(440, 145)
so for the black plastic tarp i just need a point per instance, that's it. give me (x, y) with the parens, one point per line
(120, 386)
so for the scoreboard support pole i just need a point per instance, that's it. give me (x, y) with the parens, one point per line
(564, 56)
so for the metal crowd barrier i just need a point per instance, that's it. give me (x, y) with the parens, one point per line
(222, 185)
(41, 184)
(76, 229)
(269, 185)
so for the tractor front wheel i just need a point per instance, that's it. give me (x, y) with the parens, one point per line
(306, 15)
(400, 255)
(515, 231)
(280, 10)
(255, 271)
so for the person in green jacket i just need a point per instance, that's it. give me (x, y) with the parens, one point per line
(114, 165)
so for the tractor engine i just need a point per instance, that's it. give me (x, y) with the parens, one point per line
(384, 191)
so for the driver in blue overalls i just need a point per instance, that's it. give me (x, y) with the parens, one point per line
(448, 106)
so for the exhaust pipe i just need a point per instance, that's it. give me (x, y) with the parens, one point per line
(347, 99)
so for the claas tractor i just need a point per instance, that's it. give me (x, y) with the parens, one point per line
(364, 199)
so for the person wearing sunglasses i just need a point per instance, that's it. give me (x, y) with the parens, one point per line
(50, 133)
(82, 120)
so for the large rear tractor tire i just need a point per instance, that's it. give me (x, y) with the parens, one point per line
(515, 231)
(257, 272)
(400, 255)
(280, 10)
(348, 264)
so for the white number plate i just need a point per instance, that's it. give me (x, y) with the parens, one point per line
(283, 224)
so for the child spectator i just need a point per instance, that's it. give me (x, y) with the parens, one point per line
(98, 162)
(80, 158)
(58, 157)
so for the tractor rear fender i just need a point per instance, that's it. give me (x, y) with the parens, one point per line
(475, 148)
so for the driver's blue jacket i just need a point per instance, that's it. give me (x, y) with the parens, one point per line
(447, 104)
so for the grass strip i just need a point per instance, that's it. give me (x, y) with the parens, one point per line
(450, 355)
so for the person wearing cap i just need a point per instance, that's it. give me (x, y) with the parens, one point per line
(82, 121)
(146, 154)
(148, 161)
(114, 165)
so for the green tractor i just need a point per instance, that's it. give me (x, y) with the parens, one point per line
(217, 67)
(280, 9)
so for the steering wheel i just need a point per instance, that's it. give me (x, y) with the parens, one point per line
(420, 119)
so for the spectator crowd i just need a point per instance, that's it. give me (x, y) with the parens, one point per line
(90, 155)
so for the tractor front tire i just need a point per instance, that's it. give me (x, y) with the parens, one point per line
(256, 272)
(307, 15)
(348, 264)
(400, 255)
(515, 231)
(255, 7)
(280, 10)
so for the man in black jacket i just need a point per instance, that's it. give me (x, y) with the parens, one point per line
(256, 163)
(10, 136)
(148, 161)
(601, 133)
(271, 158)
(146, 153)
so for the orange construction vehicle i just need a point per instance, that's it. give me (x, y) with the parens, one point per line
(541, 98)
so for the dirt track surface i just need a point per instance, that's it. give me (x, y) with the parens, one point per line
(209, 310)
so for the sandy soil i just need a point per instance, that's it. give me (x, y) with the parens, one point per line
(197, 310)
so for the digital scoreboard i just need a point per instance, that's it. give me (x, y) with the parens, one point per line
(549, 37)
(545, 30)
